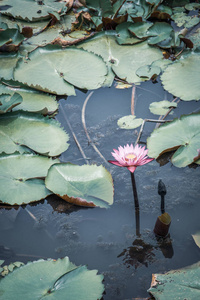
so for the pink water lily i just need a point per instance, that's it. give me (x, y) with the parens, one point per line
(130, 157)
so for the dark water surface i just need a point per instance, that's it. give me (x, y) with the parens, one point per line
(106, 239)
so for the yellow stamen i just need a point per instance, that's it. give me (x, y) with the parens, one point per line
(130, 156)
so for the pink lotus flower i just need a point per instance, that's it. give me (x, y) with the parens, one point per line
(130, 157)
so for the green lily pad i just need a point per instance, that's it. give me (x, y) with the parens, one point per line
(124, 36)
(192, 22)
(124, 60)
(140, 29)
(161, 63)
(161, 107)
(29, 10)
(129, 122)
(53, 280)
(130, 58)
(36, 26)
(104, 8)
(7, 63)
(159, 31)
(19, 179)
(162, 12)
(58, 71)
(177, 284)
(10, 39)
(180, 18)
(195, 38)
(148, 72)
(181, 135)
(26, 99)
(82, 185)
(192, 6)
(60, 33)
(177, 3)
(8, 101)
(41, 134)
(180, 78)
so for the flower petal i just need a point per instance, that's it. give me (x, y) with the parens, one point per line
(114, 162)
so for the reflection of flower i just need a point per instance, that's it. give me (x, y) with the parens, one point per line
(130, 157)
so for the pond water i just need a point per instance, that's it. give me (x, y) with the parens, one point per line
(105, 239)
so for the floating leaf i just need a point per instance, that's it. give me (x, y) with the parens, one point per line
(129, 122)
(8, 101)
(29, 10)
(104, 8)
(161, 107)
(29, 99)
(52, 279)
(19, 180)
(20, 24)
(192, 22)
(124, 60)
(180, 78)
(159, 31)
(195, 38)
(177, 3)
(59, 34)
(162, 12)
(58, 67)
(7, 64)
(82, 185)
(26, 99)
(181, 135)
(182, 19)
(177, 284)
(192, 6)
(38, 133)
(140, 29)
(130, 58)
(10, 39)
(196, 238)
(148, 72)
(124, 36)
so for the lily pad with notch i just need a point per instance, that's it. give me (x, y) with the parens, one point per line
(161, 107)
(19, 130)
(30, 10)
(176, 284)
(10, 39)
(180, 78)
(58, 73)
(52, 279)
(8, 101)
(129, 122)
(159, 32)
(123, 59)
(86, 185)
(21, 178)
(148, 72)
(26, 99)
(181, 135)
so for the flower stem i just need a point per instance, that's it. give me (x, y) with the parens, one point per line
(134, 191)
